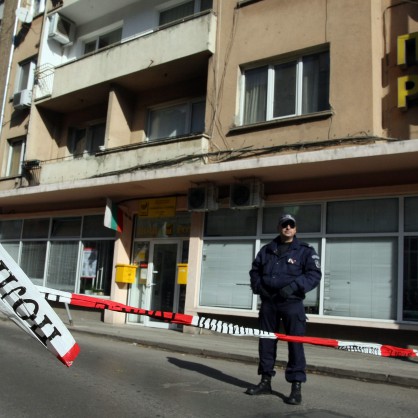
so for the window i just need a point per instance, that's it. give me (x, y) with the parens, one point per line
(25, 75)
(15, 157)
(103, 40)
(38, 6)
(292, 88)
(183, 10)
(51, 251)
(87, 140)
(177, 120)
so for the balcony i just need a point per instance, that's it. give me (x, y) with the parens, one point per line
(175, 52)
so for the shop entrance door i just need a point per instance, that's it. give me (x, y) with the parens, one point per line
(162, 289)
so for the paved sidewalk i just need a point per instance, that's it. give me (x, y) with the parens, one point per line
(320, 360)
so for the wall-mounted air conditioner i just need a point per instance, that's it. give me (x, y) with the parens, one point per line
(203, 198)
(61, 29)
(22, 99)
(246, 194)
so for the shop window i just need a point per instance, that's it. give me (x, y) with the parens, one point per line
(291, 88)
(183, 10)
(411, 211)
(177, 120)
(224, 280)
(10, 229)
(360, 277)
(35, 228)
(103, 41)
(16, 156)
(362, 216)
(227, 222)
(308, 218)
(96, 267)
(93, 227)
(410, 282)
(66, 227)
(33, 259)
(62, 265)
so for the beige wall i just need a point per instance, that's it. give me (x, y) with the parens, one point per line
(348, 26)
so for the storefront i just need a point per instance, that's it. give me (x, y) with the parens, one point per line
(160, 245)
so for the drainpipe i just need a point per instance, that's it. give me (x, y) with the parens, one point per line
(9, 67)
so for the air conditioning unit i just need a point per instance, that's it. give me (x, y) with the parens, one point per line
(61, 29)
(203, 198)
(246, 194)
(22, 99)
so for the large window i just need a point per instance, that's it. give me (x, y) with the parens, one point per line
(177, 120)
(359, 243)
(296, 87)
(52, 251)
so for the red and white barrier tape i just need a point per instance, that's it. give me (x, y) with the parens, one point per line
(221, 326)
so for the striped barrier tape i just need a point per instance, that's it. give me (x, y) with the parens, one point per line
(221, 326)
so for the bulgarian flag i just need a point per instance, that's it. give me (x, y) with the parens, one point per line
(113, 218)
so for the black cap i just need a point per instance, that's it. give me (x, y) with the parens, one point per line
(285, 218)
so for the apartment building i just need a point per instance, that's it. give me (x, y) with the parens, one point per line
(200, 122)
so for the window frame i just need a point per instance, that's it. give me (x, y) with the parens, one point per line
(86, 141)
(189, 118)
(270, 86)
(25, 79)
(11, 169)
(96, 39)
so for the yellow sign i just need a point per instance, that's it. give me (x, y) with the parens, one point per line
(163, 207)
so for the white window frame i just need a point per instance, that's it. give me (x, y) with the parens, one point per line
(96, 38)
(271, 86)
(179, 104)
(37, 7)
(20, 85)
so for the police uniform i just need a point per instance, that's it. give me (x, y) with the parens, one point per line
(282, 274)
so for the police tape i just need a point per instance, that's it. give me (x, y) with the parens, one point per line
(22, 303)
(219, 326)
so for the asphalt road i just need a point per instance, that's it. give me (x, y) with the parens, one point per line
(111, 378)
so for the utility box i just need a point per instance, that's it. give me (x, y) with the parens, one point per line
(125, 273)
(182, 270)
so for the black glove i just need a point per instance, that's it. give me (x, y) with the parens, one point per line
(286, 291)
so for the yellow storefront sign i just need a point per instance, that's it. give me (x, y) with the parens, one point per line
(163, 207)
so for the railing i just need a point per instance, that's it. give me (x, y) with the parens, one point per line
(44, 80)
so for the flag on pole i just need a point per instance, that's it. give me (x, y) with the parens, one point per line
(21, 302)
(113, 218)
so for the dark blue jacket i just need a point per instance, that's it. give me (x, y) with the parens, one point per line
(299, 267)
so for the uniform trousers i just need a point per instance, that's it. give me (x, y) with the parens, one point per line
(292, 314)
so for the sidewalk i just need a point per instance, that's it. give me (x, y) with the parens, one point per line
(320, 360)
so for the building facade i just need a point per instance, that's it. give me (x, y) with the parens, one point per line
(201, 121)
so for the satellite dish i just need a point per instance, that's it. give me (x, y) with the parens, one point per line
(24, 15)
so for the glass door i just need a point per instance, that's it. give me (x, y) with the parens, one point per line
(162, 284)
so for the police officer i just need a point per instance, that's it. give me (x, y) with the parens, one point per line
(282, 272)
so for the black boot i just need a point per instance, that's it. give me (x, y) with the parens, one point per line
(295, 397)
(263, 388)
